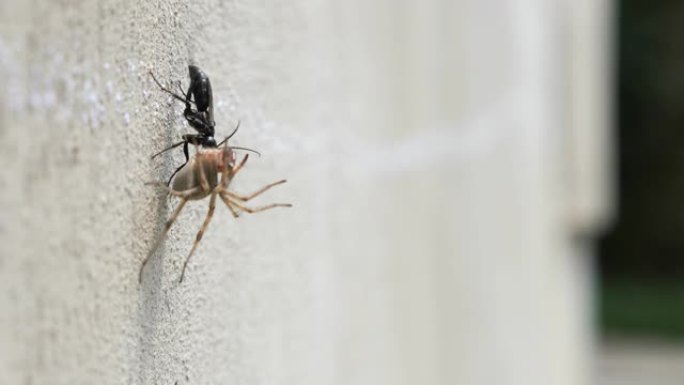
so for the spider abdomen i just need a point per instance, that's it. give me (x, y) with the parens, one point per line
(189, 177)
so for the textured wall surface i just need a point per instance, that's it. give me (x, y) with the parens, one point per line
(429, 154)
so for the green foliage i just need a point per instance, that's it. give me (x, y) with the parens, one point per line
(643, 308)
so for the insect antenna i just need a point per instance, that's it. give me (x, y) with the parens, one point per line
(245, 149)
(231, 134)
(237, 147)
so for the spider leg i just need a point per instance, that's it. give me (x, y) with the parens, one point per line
(167, 227)
(229, 172)
(229, 205)
(239, 165)
(210, 213)
(245, 198)
(185, 194)
(253, 210)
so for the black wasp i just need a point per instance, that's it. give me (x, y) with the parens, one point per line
(201, 118)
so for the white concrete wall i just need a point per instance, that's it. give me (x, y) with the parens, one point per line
(432, 150)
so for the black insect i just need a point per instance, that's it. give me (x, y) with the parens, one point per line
(201, 118)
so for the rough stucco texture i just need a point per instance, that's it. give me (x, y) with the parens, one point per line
(427, 242)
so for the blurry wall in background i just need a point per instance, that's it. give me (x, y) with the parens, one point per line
(448, 162)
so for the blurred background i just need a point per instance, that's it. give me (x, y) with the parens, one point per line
(485, 192)
(641, 260)
(641, 255)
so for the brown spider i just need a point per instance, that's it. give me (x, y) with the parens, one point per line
(199, 179)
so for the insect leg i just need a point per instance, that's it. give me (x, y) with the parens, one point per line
(186, 152)
(175, 172)
(168, 91)
(187, 158)
(210, 213)
(167, 226)
(168, 148)
(180, 87)
(245, 198)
